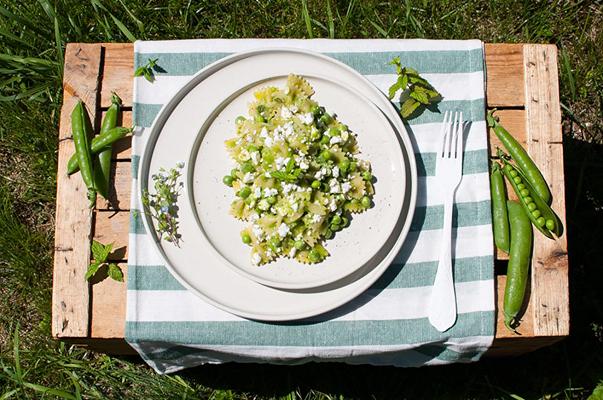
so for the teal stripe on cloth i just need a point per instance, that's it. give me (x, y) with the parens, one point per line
(425, 218)
(157, 277)
(298, 333)
(445, 354)
(474, 162)
(426, 62)
(474, 110)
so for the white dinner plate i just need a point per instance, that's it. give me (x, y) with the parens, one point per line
(211, 260)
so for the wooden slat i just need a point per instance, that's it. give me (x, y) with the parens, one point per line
(549, 264)
(108, 311)
(504, 75)
(113, 227)
(70, 297)
(118, 71)
(119, 187)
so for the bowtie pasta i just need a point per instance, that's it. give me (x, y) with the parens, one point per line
(297, 177)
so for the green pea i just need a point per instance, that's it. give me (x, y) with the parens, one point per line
(336, 220)
(521, 186)
(366, 202)
(531, 206)
(524, 193)
(240, 119)
(228, 180)
(517, 179)
(326, 119)
(314, 256)
(271, 200)
(550, 224)
(510, 168)
(299, 244)
(536, 213)
(335, 227)
(540, 222)
(315, 184)
(344, 165)
(513, 173)
(247, 167)
(325, 155)
(244, 192)
(528, 200)
(367, 176)
(234, 172)
(353, 166)
(246, 238)
(324, 139)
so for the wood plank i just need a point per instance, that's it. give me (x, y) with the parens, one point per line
(118, 71)
(108, 311)
(122, 149)
(549, 264)
(119, 187)
(504, 75)
(70, 296)
(113, 227)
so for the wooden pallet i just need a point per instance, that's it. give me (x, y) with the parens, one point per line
(522, 83)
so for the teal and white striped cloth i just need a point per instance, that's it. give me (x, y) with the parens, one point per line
(173, 329)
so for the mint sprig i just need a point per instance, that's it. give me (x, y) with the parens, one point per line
(148, 70)
(100, 253)
(417, 93)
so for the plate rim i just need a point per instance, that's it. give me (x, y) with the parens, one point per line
(370, 277)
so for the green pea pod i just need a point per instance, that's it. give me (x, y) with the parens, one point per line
(519, 263)
(102, 170)
(500, 220)
(98, 144)
(521, 157)
(541, 215)
(81, 128)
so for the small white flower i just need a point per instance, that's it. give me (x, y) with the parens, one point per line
(303, 165)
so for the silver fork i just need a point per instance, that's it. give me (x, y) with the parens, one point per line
(449, 165)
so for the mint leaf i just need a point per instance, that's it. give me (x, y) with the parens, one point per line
(139, 71)
(115, 273)
(98, 250)
(92, 270)
(421, 97)
(409, 107)
(393, 89)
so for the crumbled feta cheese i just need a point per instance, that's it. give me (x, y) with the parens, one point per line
(335, 140)
(283, 230)
(248, 177)
(270, 192)
(293, 109)
(321, 173)
(254, 217)
(345, 135)
(268, 141)
(345, 187)
(303, 165)
(334, 186)
(288, 187)
(255, 157)
(307, 118)
(281, 162)
(256, 259)
(244, 155)
(257, 192)
(332, 205)
(264, 132)
(335, 171)
(263, 205)
(295, 206)
(267, 174)
(285, 113)
(292, 252)
(316, 218)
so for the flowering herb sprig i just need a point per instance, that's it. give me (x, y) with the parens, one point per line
(162, 204)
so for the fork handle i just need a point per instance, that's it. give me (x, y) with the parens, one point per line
(442, 303)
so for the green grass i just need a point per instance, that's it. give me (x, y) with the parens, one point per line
(32, 38)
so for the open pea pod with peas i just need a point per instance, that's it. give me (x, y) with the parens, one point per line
(539, 212)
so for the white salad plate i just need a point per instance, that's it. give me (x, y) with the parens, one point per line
(211, 260)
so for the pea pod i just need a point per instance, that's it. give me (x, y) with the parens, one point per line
(500, 219)
(81, 129)
(102, 170)
(521, 157)
(98, 144)
(541, 215)
(519, 263)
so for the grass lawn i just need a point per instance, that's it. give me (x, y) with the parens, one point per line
(32, 38)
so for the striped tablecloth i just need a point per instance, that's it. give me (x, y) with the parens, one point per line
(172, 329)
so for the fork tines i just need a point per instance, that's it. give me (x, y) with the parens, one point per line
(452, 135)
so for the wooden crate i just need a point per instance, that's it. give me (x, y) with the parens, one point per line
(522, 83)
